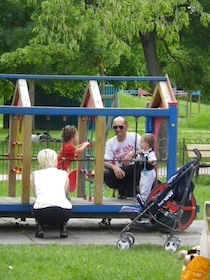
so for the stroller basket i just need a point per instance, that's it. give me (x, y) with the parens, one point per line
(165, 207)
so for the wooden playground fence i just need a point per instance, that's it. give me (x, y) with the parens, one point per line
(55, 145)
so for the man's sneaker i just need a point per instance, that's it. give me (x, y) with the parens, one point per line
(121, 196)
(39, 232)
(140, 200)
(121, 193)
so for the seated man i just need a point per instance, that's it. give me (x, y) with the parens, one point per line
(120, 171)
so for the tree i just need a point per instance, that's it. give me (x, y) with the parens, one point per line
(96, 37)
(195, 40)
(81, 26)
(15, 25)
(104, 30)
(158, 23)
(15, 32)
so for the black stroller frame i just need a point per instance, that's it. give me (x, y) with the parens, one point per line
(175, 190)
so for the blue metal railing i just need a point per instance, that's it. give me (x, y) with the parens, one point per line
(82, 77)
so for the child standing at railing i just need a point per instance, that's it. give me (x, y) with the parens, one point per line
(147, 158)
(68, 151)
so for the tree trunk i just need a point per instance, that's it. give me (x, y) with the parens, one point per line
(153, 68)
(150, 55)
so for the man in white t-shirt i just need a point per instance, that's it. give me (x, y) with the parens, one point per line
(120, 171)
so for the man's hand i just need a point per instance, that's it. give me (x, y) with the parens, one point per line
(127, 159)
(119, 173)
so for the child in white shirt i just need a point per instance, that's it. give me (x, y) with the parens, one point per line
(147, 158)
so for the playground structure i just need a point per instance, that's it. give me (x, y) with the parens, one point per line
(188, 97)
(92, 98)
(20, 130)
(163, 107)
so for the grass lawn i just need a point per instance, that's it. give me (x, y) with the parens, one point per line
(101, 262)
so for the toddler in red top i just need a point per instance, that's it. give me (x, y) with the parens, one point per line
(69, 150)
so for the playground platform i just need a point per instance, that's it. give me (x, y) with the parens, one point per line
(82, 208)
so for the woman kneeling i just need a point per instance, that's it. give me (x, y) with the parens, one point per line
(50, 186)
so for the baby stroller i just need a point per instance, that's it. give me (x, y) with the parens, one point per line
(171, 207)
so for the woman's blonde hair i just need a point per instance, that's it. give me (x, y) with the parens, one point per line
(47, 158)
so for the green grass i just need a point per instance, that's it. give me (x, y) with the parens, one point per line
(47, 262)
(188, 127)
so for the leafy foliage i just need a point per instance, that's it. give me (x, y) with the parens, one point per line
(106, 38)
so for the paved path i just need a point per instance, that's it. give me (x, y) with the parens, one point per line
(88, 231)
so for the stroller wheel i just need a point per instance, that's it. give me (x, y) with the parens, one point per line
(130, 236)
(172, 244)
(189, 208)
(123, 243)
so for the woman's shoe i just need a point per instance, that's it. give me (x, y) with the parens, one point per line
(39, 231)
(63, 232)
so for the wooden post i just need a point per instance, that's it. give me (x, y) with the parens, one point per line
(20, 125)
(26, 158)
(92, 98)
(99, 159)
(13, 132)
(82, 122)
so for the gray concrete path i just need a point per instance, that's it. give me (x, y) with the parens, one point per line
(88, 231)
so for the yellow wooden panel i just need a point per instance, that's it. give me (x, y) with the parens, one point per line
(82, 123)
(92, 98)
(20, 130)
(99, 159)
(165, 94)
(13, 132)
(162, 95)
(26, 157)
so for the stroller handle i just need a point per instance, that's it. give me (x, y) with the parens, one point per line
(198, 155)
(196, 160)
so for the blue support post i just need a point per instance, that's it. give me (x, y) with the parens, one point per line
(172, 139)
(149, 122)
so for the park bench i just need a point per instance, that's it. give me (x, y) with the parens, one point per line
(204, 149)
